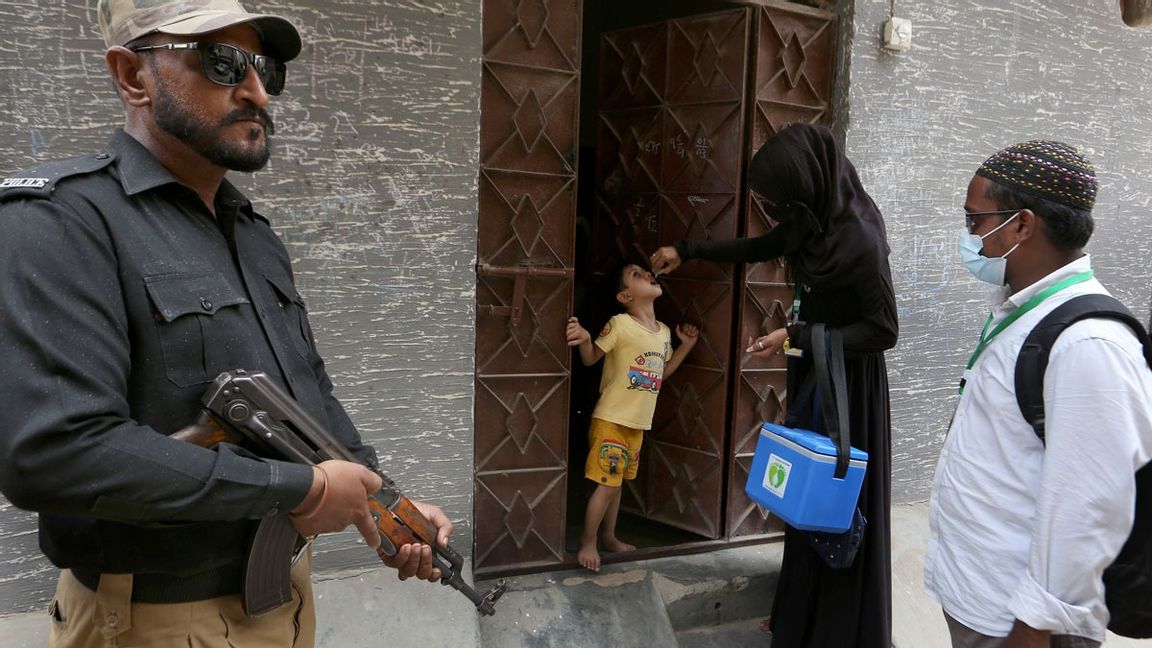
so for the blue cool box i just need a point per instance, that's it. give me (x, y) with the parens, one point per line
(793, 477)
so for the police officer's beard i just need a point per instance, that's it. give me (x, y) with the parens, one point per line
(173, 119)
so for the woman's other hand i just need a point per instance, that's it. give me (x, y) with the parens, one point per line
(664, 260)
(767, 345)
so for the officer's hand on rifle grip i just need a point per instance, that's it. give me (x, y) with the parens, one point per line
(416, 559)
(338, 498)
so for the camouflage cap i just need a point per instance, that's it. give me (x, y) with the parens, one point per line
(122, 21)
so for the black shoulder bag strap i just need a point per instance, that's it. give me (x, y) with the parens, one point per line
(1033, 358)
(828, 358)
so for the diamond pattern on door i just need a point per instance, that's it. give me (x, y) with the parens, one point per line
(539, 137)
(670, 143)
(537, 33)
(682, 104)
(793, 70)
(529, 97)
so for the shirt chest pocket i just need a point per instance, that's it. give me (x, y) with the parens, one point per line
(198, 323)
(292, 312)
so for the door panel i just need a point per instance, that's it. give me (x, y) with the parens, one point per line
(535, 106)
(529, 98)
(793, 67)
(633, 63)
(527, 218)
(628, 151)
(706, 62)
(682, 103)
(703, 143)
(670, 143)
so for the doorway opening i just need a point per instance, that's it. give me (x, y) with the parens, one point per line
(607, 130)
(663, 99)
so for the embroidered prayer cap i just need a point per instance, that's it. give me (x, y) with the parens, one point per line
(1050, 170)
(123, 21)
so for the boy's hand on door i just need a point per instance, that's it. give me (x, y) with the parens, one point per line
(576, 334)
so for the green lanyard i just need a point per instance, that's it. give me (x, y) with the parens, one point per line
(986, 337)
(794, 317)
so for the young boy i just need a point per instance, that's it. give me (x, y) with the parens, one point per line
(639, 356)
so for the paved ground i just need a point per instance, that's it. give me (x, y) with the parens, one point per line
(702, 600)
(712, 600)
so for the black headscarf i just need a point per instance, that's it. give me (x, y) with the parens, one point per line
(829, 223)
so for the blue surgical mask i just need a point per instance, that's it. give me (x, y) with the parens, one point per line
(984, 268)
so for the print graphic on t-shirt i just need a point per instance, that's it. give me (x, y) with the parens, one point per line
(646, 372)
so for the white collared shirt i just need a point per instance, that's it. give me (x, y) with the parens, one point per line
(1023, 531)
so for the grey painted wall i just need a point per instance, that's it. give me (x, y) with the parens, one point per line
(373, 188)
(981, 75)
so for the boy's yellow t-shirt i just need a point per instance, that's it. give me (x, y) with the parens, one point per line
(634, 360)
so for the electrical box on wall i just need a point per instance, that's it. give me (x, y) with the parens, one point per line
(897, 34)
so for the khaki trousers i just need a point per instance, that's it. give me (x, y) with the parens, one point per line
(108, 618)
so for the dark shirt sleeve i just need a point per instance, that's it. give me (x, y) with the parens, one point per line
(70, 444)
(866, 315)
(741, 250)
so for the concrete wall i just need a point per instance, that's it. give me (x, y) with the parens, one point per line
(373, 188)
(981, 75)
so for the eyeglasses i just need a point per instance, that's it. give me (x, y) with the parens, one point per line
(970, 217)
(228, 65)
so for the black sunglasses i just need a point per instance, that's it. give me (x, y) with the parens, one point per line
(970, 217)
(228, 65)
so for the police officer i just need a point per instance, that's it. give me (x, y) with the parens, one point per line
(130, 279)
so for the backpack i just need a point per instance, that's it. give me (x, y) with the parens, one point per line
(1128, 580)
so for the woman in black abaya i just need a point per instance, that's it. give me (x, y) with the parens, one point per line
(833, 237)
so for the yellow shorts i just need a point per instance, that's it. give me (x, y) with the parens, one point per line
(614, 452)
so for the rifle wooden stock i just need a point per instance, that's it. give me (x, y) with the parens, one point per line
(206, 432)
(243, 406)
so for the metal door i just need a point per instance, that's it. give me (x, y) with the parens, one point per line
(674, 134)
(529, 114)
(669, 152)
(793, 68)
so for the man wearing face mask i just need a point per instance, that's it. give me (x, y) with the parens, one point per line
(1022, 529)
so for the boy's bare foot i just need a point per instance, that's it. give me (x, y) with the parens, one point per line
(614, 544)
(588, 556)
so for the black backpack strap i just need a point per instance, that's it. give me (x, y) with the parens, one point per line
(1033, 358)
(828, 358)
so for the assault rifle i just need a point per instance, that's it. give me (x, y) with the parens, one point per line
(242, 406)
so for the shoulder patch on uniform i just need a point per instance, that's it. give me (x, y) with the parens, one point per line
(39, 181)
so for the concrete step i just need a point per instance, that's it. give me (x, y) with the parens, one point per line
(745, 633)
(645, 603)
